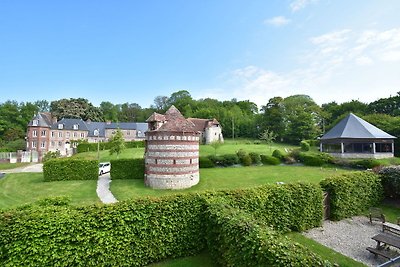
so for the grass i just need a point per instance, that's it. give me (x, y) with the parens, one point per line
(392, 213)
(24, 188)
(228, 178)
(324, 252)
(7, 166)
(200, 260)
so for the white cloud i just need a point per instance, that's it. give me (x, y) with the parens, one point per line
(299, 4)
(277, 21)
(332, 69)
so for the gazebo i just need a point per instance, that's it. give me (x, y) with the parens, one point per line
(354, 137)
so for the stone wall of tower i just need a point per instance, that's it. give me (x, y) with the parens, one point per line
(171, 159)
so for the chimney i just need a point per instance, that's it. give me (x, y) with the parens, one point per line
(54, 119)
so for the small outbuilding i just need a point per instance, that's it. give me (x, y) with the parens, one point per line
(354, 137)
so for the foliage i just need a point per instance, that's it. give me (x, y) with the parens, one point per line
(216, 145)
(127, 169)
(78, 108)
(117, 143)
(70, 169)
(315, 159)
(278, 154)
(86, 146)
(270, 160)
(246, 160)
(224, 160)
(51, 155)
(255, 158)
(304, 145)
(365, 163)
(268, 136)
(352, 193)
(206, 162)
(132, 233)
(391, 181)
(236, 238)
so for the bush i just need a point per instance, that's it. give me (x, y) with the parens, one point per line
(216, 160)
(51, 155)
(241, 153)
(132, 233)
(127, 169)
(70, 169)
(255, 158)
(205, 162)
(278, 154)
(230, 159)
(313, 142)
(315, 159)
(257, 142)
(352, 193)
(365, 163)
(246, 160)
(236, 238)
(391, 181)
(304, 146)
(270, 160)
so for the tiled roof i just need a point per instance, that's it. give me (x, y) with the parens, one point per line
(156, 117)
(175, 122)
(202, 124)
(356, 128)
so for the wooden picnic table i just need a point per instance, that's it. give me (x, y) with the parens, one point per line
(387, 239)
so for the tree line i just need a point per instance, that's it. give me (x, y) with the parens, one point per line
(291, 119)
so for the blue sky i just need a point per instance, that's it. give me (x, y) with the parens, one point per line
(132, 51)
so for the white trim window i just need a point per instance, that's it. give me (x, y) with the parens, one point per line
(53, 134)
(75, 135)
(59, 134)
(43, 133)
(35, 122)
(34, 144)
(60, 126)
(75, 126)
(60, 143)
(82, 135)
(34, 133)
(67, 134)
(43, 144)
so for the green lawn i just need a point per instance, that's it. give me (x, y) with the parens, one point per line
(23, 188)
(7, 166)
(228, 178)
(200, 260)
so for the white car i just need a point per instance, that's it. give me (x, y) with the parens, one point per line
(104, 167)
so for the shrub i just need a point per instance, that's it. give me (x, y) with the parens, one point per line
(236, 238)
(241, 153)
(315, 159)
(270, 160)
(246, 160)
(255, 158)
(51, 155)
(278, 154)
(304, 145)
(217, 160)
(365, 163)
(230, 159)
(257, 142)
(352, 193)
(391, 181)
(205, 162)
(127, 169)
(70, 169)
(313, 142)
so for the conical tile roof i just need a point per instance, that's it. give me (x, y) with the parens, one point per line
(356, 128)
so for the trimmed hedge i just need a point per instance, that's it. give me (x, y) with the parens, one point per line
(133, 233)
(391, 181)
(270, 160)
(352, 193)
(294, 206)
(278, 154)
(205, 162)
(127, 169)
(255, 158)
(236, 238)
(86, 147)
(70, 169)
(315, 159)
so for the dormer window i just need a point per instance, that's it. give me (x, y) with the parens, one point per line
(75, 127)
(60, 126)
(96, 132)
(35, 122)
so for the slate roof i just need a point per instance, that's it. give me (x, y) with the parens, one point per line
(43, 120)
(355, 128)
(69, 123)
(100, 126)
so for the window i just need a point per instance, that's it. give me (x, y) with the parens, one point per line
(35, 122)
(75, 135)
(34, 133)
(67, 134)
(128, 133)
(53, 144)
(43, 144)
(332, 148)
(383, 147)
(358, 148)
(96, 132)
(53, 134)
(75, 126)
(59, 134)
(60, 126)
(82, 135)
(33, 144)
(60, 143)
(43, 133)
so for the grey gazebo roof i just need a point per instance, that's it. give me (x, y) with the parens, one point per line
(355, 128)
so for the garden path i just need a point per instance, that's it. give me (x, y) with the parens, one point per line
(103, 189)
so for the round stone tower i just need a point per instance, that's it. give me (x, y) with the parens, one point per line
(172, 151)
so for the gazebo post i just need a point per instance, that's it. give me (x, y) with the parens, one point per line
(341, 147)
(393, 147)
(373, 148)
(320, 147)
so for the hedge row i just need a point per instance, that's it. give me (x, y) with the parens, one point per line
(133, 233)
(86, 147)
(127, 169)
(391, 181)
(352, 193)
(70, 169)
(236, 238)
(137, 232)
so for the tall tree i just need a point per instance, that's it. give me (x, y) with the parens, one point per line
(76, 108)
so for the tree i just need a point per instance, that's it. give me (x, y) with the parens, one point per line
(78, 108)
(216, 145)
(117, 143)
(269, 137)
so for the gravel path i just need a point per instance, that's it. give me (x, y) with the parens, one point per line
(349, 237)
(103, 189)
(38, 167)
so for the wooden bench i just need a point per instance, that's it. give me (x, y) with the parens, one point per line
(391, 228)
(381, 252)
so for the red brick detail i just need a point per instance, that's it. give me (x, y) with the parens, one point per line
(172, 173)
(172, 165)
